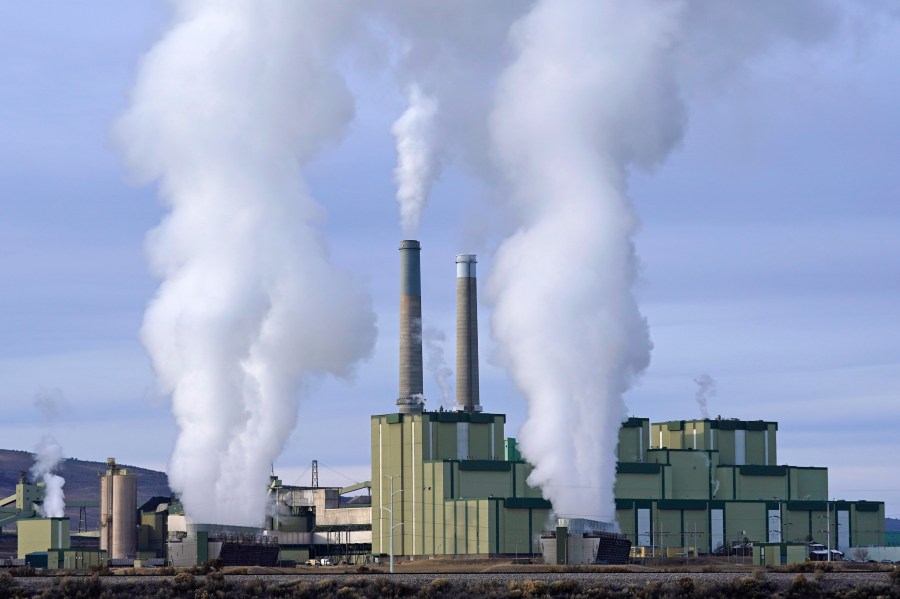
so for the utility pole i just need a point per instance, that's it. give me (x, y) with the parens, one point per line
(828, 526)
(390, 511)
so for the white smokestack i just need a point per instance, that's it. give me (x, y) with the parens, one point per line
(417, 164)
(47, 456)
(227, 108)
(706, 388)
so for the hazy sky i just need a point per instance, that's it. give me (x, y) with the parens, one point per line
(769, 249)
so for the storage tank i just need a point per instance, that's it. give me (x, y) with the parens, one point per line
(118, 512)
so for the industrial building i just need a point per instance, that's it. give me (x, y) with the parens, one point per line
(45, 542)
(694, 487)
(307, 522)
(583, 541)
(447, 482)
(450, 483)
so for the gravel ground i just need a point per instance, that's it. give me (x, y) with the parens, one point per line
(832, 580)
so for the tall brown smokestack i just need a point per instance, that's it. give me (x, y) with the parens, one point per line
(411, 397)
(467, 399)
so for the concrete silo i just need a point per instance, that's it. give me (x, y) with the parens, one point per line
(118, 512)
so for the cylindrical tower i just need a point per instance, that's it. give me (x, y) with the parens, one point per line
(467, 399)
(411, 397)
(118, 512)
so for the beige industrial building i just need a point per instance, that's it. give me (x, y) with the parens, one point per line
(320, 522)
(441, 479)
(307, 522)
(42, 534)
(708, 486)
(443, 482)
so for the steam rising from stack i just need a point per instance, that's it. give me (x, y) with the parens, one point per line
(47, 456)
(417, 165)
(706, 388)
(227, 108)
(564, 310)
(238, 96)
(433, 340)
(595, 89)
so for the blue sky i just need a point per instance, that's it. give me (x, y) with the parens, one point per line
(769, 247)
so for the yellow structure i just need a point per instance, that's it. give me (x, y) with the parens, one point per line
(775, 554)
(42, 534)
(443, 480)
(713, 485)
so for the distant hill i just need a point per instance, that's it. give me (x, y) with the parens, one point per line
(82, 481)
(892, 524)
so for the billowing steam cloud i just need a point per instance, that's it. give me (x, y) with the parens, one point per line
(417, 164)
(47, 456)
(706, 388)
(558, 99)
(571, 115)
(228, 106)
(596, 89)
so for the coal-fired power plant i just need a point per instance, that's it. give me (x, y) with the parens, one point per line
(451, 484)
(411, 399)
(467, 399)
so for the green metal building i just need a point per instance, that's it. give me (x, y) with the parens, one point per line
(706, 486)
(42, 534)
(447, 481)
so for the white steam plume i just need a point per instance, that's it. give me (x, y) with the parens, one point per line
(436, 363)
(706, 388)
(589, 93)
(417, 164)
(47, 456)
(596, 89)
(227, 107)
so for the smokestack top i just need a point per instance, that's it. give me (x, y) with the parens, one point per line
(410, 274)
(465, 266)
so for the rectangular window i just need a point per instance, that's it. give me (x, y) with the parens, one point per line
(740, 446)
(717, 529)
(643, 527)
(462, 441)
(774, 526)
(843, 530)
